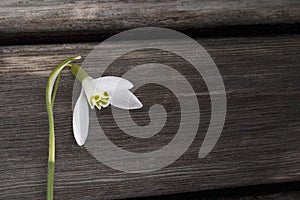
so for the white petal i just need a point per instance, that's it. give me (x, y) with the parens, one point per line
(110, 83)
(81, 119)
(123, 98)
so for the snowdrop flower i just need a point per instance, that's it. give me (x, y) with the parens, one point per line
(100, 93)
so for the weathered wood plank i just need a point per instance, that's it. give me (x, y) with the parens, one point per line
(260, 142)
(34, 20)
(280, 191)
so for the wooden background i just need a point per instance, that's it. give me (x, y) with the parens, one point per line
(256, 46)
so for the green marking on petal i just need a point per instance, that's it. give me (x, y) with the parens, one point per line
(106, 94)
(91, 101)
(105, 99)
(100, 101)
(97, 97)
(104, 103)
(98, 105)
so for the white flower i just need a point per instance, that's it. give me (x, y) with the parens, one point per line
(101, 92)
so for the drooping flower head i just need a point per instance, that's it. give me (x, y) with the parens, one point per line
(100, 93)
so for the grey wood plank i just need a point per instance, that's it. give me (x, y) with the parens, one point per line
(260, 142)
(40, 20)
(277, 196)
(279, 191)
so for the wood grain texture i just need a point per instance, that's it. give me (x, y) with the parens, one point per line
(260, 142)
(282, 191)
(35, 20)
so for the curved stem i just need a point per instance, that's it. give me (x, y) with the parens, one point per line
(55, 89)
(50, 96)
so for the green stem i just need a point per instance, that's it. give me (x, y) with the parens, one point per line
(50, 96)
(50, 180)
(55, 89)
